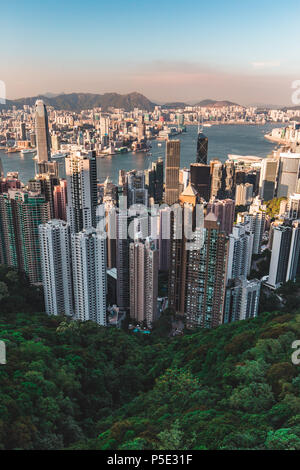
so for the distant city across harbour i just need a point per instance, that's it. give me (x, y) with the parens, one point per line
(222, 140)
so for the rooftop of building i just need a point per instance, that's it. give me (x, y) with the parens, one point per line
(189, 191)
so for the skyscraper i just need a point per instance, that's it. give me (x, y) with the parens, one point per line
(143, 285)
(268, 176)
(45, 184)
(201, 179)
(293, 206)
(206, 277)
(155, 181)
(257, 221)
(56, 267)
(122, 259)
(288, 174)
(141, 128)
(181, 253)
(137, 191)
(43, 140)
(224, 210)
(23, 131)
(21, 214)
(60, 200)
(89, 275)
(243, 194)
(172, 171)
(228, 177)
(242, 300)
(184, 178)
(164, 238)
(239, 252)
(293, 261)
(178, 257)
(280, 255)
(81, 172)
(216, 173)
(202, 148)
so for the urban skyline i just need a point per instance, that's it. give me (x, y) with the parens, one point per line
(114, 236)
(168, 248)
(150, 228)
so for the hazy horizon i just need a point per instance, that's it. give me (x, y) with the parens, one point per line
(193, 102)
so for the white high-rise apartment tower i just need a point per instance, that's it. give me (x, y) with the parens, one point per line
(81, 173)
(89, 275)
(257, 221)
(240, 252)
(56, 267)
(143, 277)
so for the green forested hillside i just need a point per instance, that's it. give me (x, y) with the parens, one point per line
(77, 385)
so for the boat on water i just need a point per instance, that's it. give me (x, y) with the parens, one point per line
(121, 150)
(58, 155)
(159, 144)
(207, 125)
(28, 152)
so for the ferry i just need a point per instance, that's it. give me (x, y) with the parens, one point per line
(28, 152)
(121, 150)
(58, 155)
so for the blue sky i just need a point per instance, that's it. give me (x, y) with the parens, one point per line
(185, 50)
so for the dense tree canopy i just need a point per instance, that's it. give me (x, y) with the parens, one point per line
(81, 386)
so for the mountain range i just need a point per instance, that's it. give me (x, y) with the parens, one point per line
(79, 101)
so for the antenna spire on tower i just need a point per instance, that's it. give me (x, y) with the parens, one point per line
(200, 124)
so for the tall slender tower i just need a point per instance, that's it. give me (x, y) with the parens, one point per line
(89, 275)
(268, 176)
(43, 141)
(182, 216)
(202, 146)
(257, 221)
(216, 173)
(81, 172)
(158, 168)
(143, 264)
(239, 252)
(1, 169)
(56, 267)
(206, 277)
(172, 171)
(60, 200)
(285, 254)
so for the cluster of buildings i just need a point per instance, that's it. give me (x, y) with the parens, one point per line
(99, 248)
(117, 131)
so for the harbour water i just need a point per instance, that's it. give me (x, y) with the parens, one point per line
(222, 140)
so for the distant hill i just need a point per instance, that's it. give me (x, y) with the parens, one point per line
(79, 101)
(176, 104)
(295, 108)
(216, 103)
